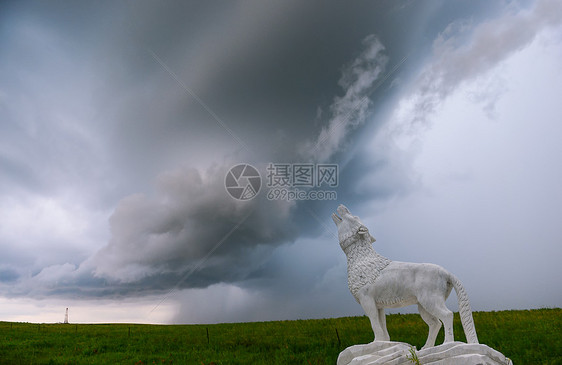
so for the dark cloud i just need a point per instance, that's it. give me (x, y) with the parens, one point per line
(288, 287)
(166, 239)
(349, 111)
(162, 241)
(119, 122)
(8, 275)
(175, 230)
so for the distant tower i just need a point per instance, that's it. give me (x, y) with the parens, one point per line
(66, 316)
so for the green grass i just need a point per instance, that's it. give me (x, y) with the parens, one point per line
(526, 337)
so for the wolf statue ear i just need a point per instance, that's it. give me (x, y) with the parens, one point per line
(372, 238)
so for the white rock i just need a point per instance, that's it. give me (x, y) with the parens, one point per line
(398, 353)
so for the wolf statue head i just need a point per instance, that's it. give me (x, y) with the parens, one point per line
(350, 226)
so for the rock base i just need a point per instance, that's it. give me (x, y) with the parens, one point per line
(399, 353)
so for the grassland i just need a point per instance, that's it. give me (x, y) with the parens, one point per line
(527, 337)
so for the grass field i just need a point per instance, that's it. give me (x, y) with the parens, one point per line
(526, 337)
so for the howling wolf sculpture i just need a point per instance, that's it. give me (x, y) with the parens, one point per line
(377, 283)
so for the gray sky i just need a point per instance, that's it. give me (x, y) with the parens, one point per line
(119, 122)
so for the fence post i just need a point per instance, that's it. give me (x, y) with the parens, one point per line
(208, 340)
(338, 335)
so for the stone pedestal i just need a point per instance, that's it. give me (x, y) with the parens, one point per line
(399, 353)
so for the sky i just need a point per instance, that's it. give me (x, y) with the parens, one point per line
(120, 122)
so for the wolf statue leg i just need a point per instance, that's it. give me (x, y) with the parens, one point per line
(436, 307)
(434, 326)
(371, 310)
(382, 319)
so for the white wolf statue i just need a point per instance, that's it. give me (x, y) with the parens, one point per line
(378, 283)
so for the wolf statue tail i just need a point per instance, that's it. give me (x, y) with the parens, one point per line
(465, 311)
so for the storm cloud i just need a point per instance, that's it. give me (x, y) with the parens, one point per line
(166, 240)
(119, 123)
(191, 233)
(191, 214)
(350, 110)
